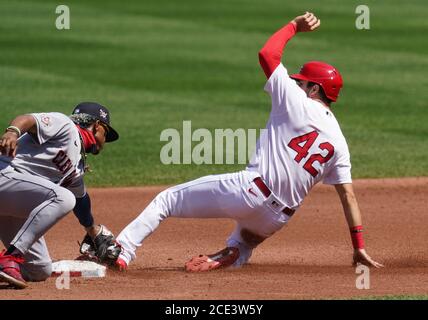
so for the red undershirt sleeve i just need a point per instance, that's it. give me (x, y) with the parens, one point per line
(270, 55)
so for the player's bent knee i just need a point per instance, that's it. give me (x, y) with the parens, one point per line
(36, 272)
(164, 196)
(66, 199)
(164, 202)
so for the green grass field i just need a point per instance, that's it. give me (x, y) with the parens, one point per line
(157, 63)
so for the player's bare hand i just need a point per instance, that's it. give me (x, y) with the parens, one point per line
(307, 22)
(361, 256)
(9, 144)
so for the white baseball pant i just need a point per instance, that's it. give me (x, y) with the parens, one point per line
(232, 195)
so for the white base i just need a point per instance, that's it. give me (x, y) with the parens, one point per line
(76, 268)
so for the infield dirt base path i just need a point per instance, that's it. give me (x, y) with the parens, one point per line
(308, 259)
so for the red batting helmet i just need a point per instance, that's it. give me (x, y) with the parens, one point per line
(327, 76)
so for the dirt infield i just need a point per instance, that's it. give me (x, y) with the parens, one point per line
(308, 259)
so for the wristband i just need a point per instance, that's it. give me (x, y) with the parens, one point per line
(357, 237)
(14, 129)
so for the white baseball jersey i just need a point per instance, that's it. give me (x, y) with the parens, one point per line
(54, 154)
(303, 143)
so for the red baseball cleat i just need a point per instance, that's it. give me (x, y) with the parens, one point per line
(120, 264)
(10, 270)
(221, 259)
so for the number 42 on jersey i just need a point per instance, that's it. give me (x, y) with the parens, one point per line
(303, 143)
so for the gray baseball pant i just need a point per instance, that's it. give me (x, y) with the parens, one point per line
(29, 207)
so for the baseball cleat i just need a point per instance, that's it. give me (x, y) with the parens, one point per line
(120, 264)
(221, 259)
(10, 270)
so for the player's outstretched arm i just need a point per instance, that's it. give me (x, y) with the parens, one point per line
(271, 53)
(353, 217)
(18, 126)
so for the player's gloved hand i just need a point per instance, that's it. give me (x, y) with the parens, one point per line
(103, 247)
(361, 256)
(307, 22)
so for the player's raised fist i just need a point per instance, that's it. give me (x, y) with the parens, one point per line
(307, 22)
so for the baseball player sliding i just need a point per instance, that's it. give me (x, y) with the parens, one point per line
(302, 145)
(42, 163)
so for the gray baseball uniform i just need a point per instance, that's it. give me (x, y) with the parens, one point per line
(39, 187)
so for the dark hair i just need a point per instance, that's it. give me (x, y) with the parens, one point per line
(321, 93)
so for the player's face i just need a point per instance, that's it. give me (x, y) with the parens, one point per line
(100, 132)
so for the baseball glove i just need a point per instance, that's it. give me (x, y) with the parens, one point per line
(103, 248)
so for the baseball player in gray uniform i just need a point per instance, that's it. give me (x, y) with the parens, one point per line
(42, 163)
